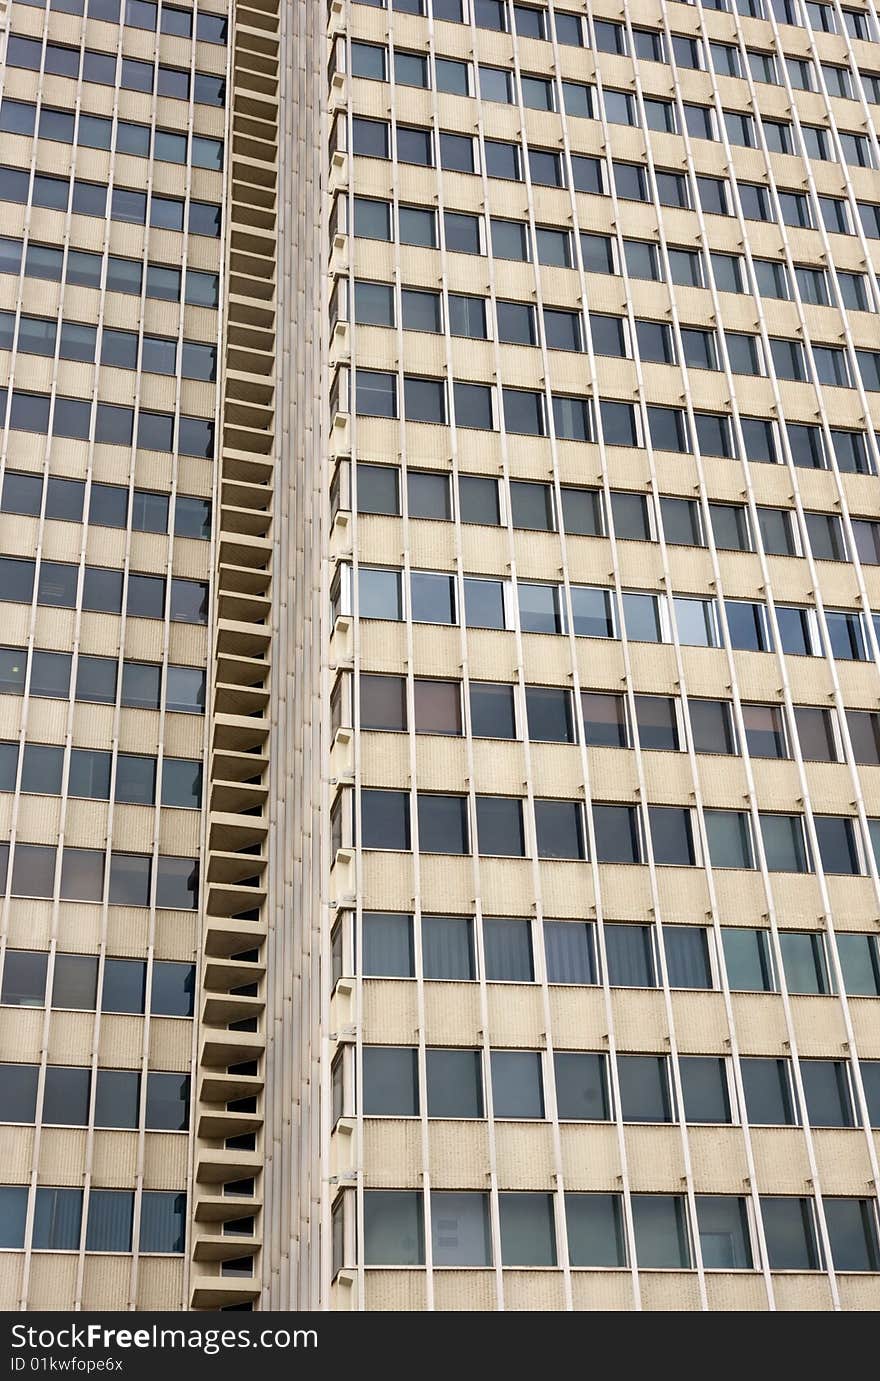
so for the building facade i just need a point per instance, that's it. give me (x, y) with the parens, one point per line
(439, 699)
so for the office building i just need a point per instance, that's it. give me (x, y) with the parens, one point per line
(440, 532)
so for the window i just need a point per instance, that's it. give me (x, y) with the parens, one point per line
(604, 717)
(549, 715)
(859, 963)
(492, 710)
(508, 950)
(657, 722)
(390, 1081)
(443, 823)
(723, 1226)
(687, 956)
(528, 1233)
(569, 950)
(394, 1233)
(681, 522)
(765, 731)
(768, 1091)
(672, 840)
(705, 1088)
(581, 1087)
(500, 826)
(784, 843)
(837, 844)
(618, 839)
(660, 1231)
(827, 1093)
(595, 1230)
(385, 819)
(729, 839)
(629, 951)
(517, 1086)
(852, 1229)
(559, 829)
(57, 1219)
(790, 1234)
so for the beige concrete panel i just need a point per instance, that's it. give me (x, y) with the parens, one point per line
(838, 585)
(16, 1149)
(441, 763)
(46, 719)
(641, 567)
(528, 455)
(739, 1293)
(530, 1291)
(859, 1292)
(556, 771)
(524, 1155)
(810, 681)
(170, 1043)
(19, 533)
(11, 1280)
(566, 888)
(54, 627)
(653, 667)
(843, 1161)
(436, 651)
(70, 1038)
(388, 881)
(448, 884)
(615, 378)
(114, 1159)
(105, 1282)
(120, 1041)
(781, 1162)
(458, 1154)
(863, 1013)
(160, 1283)
(538, 556)
(179, 831)
(830, 787)
(545, 660)
(385, 759)
(30, 924)
(17, 624)
(21, 1033)
(578, 1018)
(718, 1159)
(392, 1153)
(62, 1155)
(143, 640)
(668, 777)
(484, 550)
(683, 893)
(590, 1156)
(673, 1291)
(515, 1015)
(390, 1014)
(52, 1278)
(521, 365)
(700, 1022)
(613, 775)
(396, 1291)
(853, 905)
(757, 676)
(452, 1014)
(625, 891)
(741, 575)
(655, 1157)
(858, 682)
(801, 1293)
(690, 569)
(639, 1020)
(165, 1160)
(38, 819)
(604, 1290)
(818, 1025)
(383, 646)
(127, 929)
(175, 935)
(760, 1023)
(776, 784)
(600, 664)
(464, 1290)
